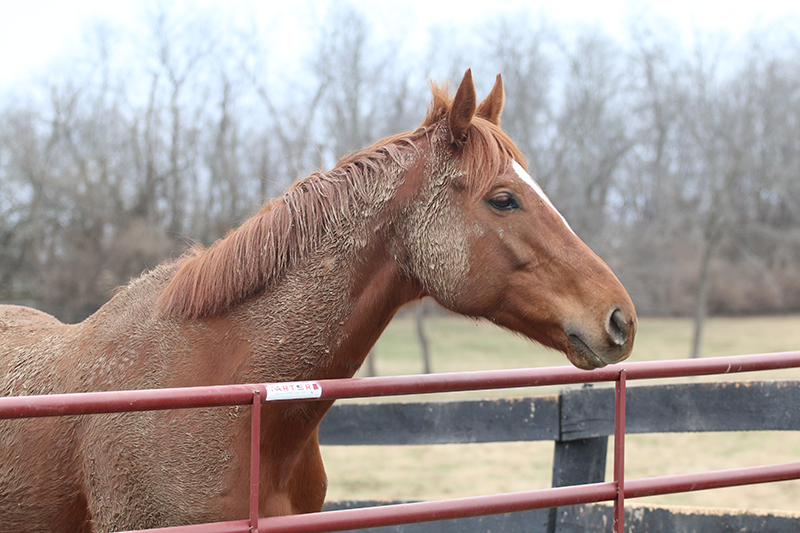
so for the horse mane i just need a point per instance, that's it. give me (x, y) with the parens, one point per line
(256, 255)
(253, 257)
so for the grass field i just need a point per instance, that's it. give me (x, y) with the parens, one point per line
(458, 344)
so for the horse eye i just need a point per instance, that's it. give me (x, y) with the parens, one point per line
(504, 202)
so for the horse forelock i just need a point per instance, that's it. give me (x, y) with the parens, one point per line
(488, 150)
(487, 153)
(253, 257)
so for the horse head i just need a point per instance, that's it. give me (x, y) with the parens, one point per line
(487, 242)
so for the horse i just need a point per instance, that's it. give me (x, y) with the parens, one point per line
(299, 291)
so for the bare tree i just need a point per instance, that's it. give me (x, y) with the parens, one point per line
(680, 169)
(422, 337)
(517, 48)
(195, 38)
(591, 137)
(360, 78)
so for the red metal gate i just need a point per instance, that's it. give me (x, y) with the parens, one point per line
(256, 394)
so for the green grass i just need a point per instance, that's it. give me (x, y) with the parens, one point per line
(461, 344)
(458, 344)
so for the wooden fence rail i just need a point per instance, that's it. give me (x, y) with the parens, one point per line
(579, 420)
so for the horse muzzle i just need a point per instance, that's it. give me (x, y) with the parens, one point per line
(612, 344)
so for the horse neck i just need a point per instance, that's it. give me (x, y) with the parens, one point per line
(327, 312)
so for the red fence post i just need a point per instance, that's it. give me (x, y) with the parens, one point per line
(619, 451)
(255, 453)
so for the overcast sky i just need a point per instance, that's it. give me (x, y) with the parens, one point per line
(34, 34)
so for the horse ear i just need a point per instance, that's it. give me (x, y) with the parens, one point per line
(492, 105)
(462, 110)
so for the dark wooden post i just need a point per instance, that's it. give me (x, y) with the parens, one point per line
(575, 461)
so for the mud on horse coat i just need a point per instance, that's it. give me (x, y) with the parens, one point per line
(301, 290)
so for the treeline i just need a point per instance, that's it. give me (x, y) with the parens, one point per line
(680, 167)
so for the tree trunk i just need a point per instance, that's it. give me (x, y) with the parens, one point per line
(701, 308)
(419, 314)
(371, 370)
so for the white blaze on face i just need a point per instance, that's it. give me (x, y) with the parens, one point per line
(524, 176)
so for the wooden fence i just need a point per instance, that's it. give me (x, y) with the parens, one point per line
(580, 421)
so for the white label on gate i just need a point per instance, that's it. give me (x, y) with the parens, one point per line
(293, 391)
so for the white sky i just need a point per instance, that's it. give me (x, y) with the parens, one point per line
(35, 33)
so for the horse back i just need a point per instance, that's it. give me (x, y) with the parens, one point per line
(20, 329)
(40, 476)
(17, 316)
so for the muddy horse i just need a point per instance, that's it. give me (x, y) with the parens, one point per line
(300, 291)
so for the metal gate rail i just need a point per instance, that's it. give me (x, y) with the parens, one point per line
(256, 394)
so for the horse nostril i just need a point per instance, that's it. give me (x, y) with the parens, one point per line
(616, 328)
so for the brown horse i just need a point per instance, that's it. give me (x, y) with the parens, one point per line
(300, 291)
